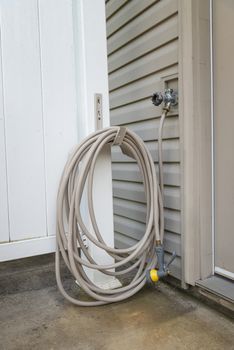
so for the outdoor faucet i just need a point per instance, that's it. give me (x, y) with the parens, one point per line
(169, 97)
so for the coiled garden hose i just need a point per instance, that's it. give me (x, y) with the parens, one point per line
(78, 175)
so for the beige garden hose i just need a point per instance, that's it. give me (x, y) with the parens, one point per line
(77, 177)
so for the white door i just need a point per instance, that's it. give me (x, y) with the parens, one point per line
(43, 89)
(223, 76)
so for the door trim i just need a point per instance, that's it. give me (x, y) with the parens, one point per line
(212, 137)
(216, 270)
(196, 139)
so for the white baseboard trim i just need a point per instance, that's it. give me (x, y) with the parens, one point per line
(26, 248)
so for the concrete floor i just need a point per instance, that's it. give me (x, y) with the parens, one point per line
(156, 318)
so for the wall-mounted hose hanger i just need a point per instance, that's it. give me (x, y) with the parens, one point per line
(77, 181)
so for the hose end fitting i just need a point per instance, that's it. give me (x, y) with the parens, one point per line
(154, 275)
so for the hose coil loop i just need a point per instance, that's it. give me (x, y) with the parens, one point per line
(78, 176)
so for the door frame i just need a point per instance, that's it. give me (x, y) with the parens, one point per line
(216, 269)
(197, 140)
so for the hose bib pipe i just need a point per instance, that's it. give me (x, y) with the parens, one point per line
(77, 176)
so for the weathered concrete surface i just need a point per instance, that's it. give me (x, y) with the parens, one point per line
(156, 318)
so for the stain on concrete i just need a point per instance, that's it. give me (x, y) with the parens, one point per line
(158, 317)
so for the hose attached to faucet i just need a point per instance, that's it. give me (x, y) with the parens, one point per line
(76, 181)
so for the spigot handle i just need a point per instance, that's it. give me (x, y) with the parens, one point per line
(171, 260)
(157, 98)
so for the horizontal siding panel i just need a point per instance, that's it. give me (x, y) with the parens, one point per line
(170, 152)
(172, 221)
(172, 198)
(148, 130)
(137, 111)
(132, 210)
(139, 90)
(122, 241)
(136, 229)
(129, 190)
(130, 228)
(124, 15)
(172, 243)
(175, 268)
(155, 61)
(133, 191)
(144, 44)
(150, 18)
(137, 211)
(112, 6)
(131, 172)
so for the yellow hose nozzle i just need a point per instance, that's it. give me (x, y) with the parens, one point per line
(154, 275)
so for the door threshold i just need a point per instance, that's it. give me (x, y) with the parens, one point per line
(224, 273)
(220, 287)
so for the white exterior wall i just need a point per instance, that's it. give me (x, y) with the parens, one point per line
(43, 110)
